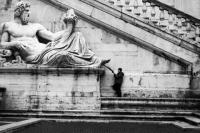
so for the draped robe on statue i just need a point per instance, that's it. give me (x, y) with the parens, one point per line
(70, 51)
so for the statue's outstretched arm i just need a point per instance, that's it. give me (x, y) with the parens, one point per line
(58, 35)
(44, 33)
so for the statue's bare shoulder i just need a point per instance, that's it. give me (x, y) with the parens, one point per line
(5, 26)
(16, 30)
(4, 31)
(37, 26)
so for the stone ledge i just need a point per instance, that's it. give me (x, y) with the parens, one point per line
(45, 70)
(151, 99)
(13, 126)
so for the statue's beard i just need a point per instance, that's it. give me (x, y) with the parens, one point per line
(25, 20)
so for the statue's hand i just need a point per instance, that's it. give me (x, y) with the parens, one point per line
(18, 60)
(5, 53)
(3, 60)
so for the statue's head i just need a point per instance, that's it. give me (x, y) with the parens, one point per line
(70, 16)
(22, 11)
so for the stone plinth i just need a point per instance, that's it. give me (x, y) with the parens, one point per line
(50, 89)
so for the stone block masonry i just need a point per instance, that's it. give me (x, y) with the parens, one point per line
(152, 85)
(123, 51)
(51, 89)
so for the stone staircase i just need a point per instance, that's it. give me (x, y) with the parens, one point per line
(136, 29)
(156, 18)
(150, 24)
(183, 113)
(158, 28)
(150, 104)
(182, 120)
(161, 16)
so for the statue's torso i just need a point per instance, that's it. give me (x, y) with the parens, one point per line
(26, 34)
(17, 30)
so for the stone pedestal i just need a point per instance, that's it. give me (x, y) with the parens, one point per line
(195, 87)
(50, 89)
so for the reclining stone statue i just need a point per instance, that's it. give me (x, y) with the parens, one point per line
(67, 48)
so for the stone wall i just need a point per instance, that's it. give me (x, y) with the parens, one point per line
(45, 89)
(154, 85)
(102, 42)
(131, 57)
(191, 7)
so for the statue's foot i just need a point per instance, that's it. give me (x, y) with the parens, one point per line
(18, 60)
(2, 60)
(105, 61)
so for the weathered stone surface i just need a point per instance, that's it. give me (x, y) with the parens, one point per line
(51, 90)
(123, 53)
(99, 39)
(190, 7)
(152, 86)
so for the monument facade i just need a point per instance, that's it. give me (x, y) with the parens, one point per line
(151, 58)
(45, 85)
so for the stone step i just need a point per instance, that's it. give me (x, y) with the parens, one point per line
(197, 114)
(103, 114)
(107, 92)
(124, 123)
(151, 93)
(186, 126)
(12, 127)
(148, 112)
(193, 120)
(97, 116)
(132, 112)
(196, 100)
(150, 103)
(179, 119)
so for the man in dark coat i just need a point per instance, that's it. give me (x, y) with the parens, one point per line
(118, 82)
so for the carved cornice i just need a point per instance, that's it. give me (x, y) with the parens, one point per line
(49, 70)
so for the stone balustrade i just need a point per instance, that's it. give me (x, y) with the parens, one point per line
(163, 17)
